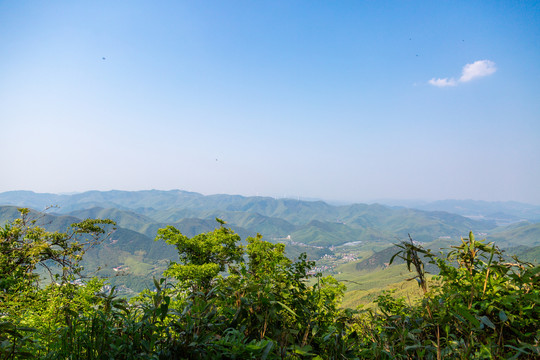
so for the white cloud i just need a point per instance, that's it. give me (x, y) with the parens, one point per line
(472, 71)
(443, 82)
(477, 69)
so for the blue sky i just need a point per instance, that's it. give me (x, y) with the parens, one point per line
(348, 100)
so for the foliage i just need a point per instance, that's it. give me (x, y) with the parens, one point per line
(29, 311)
(24, 247)
(263, 308)
(228, 301)
(203, 256)
(479, 306)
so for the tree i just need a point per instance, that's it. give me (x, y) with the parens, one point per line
(28, 308)
(24, 247)
(203, 256)
(263, 308)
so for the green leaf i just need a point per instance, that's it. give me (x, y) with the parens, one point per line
(305, 350)
(468, 316)
(485, 320)
(267, 350)
(502, 316)
(285, 307)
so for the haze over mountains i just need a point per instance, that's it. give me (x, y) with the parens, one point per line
(314, 227)
(311, 222)
(504, 212)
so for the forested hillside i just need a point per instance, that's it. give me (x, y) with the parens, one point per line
(271, 217)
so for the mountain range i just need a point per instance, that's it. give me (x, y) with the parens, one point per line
(314, 227)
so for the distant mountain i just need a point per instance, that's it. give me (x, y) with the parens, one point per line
(424, 226)
(523, 233)
(332, 233)
(31, 199)
(529, 254)
(309, 222)
(123, 218)
(49, 221)
(149, 227)
(499, 211)
(122, 200)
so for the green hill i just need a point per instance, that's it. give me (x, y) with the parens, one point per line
(52, 222)
(523, 233)
(171, 206)
(123, 218)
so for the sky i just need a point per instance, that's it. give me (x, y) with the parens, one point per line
(339, 100)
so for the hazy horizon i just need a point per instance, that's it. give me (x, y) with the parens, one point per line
(384, 201)
(345, 102)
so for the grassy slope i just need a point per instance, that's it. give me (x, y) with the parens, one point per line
(364, 286)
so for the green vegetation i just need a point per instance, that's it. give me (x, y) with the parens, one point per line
(226, 300)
